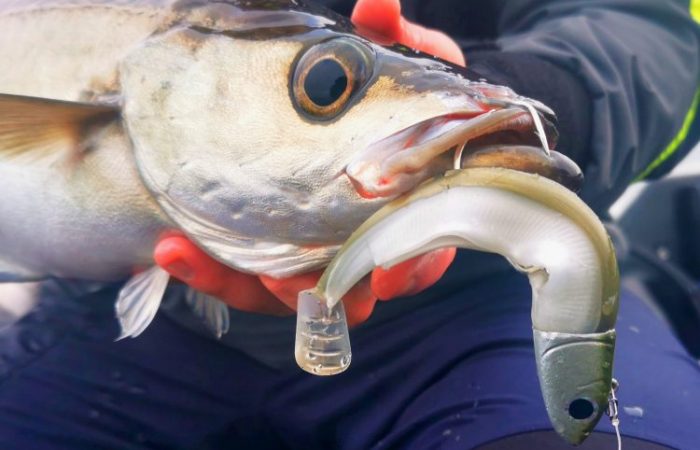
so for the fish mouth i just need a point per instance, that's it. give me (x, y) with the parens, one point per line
(398, 163)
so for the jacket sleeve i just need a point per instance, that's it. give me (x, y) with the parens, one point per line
(639, 62)
(631, 66)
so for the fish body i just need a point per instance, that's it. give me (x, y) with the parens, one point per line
(96, 220)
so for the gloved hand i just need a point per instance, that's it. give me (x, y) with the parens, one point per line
(262, 294)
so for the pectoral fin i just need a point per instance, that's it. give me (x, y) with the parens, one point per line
(37, 128)
(211, 310)
(140, 299)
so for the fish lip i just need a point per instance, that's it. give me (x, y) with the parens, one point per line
(398, 163)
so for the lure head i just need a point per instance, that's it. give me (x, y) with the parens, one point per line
(575, 372)
(270, 130)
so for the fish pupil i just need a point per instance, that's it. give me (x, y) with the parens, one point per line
(326, 82)
(581, 409)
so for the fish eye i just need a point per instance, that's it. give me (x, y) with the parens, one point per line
(329, 75)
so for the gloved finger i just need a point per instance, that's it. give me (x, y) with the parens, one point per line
(412, 276)
(188, 263)
(433, 42)
(383, 17)
(359, 302)
(287, 289)
(266, 295)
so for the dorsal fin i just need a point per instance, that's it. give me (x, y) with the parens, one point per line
(37, 128)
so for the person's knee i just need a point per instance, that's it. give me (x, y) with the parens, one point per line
(549, 440)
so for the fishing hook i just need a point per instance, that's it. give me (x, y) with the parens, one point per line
(458, 156)
(538, 123)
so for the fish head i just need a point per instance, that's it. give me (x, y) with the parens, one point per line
(268, 131)
(575, 372)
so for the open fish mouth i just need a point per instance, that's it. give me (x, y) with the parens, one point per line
(398, 163)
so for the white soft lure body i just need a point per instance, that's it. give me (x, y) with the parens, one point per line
(545, 231)
(564, 264)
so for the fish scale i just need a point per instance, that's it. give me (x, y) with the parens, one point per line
(66, 50)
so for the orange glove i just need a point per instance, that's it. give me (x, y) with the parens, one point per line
(267, 295)
(383, 18)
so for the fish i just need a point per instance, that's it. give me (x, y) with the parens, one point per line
(543, 229)
(265, 131)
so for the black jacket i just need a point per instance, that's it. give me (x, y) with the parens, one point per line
(622, 75)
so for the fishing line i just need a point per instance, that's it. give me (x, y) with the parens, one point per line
(613, 411)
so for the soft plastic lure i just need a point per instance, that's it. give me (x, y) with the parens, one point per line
(543, 229)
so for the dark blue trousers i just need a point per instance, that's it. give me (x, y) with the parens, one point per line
(453, 374)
